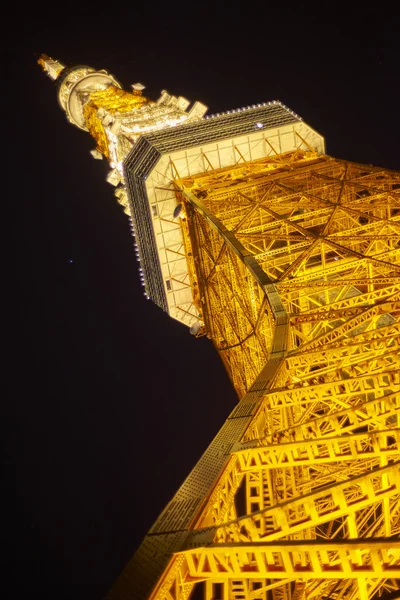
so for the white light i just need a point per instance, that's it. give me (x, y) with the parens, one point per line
(259, 125)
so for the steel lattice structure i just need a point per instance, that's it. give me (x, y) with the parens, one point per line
(289, 260)
(295, 266)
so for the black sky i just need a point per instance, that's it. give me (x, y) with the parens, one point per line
(110, 402)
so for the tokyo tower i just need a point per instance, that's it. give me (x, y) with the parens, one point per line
(289, 261)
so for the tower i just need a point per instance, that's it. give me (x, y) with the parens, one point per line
(288, 260)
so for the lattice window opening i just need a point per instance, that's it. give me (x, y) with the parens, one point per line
(334, 298)
(312, 478)
(359, 363)
(328, 362)
(334, 529)
(231, 589)
(259, 495)
(355, 388)
(326, 474)
(200, 592)
(372, 521)
(255, 527)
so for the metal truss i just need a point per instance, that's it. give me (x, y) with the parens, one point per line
(294, 263)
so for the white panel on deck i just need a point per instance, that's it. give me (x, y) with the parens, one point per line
(257, 148)
(226, 154)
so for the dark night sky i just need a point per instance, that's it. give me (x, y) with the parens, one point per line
(111, 402)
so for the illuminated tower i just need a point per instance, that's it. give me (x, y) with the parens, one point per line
(289, 260)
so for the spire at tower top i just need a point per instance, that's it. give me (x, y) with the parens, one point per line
(95, 101)
(50, 66)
